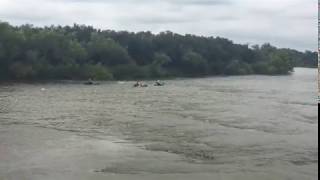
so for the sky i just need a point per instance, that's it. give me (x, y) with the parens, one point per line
(283, 23)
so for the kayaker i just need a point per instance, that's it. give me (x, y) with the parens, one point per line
(158, 83)
(137, 84)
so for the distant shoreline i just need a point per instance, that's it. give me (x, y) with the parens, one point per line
(82, 52)
(81, 81)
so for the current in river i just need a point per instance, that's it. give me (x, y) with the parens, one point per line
(236, 127)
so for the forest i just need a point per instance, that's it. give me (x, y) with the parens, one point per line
(81, 52)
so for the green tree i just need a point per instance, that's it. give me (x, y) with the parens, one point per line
(194, 63)
(107, 52)
(22, 71)
(157, 67)
(81, 52)
(97, 72)
(281, 63)
(236, 67)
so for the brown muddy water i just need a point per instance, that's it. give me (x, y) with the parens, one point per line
(238, 127)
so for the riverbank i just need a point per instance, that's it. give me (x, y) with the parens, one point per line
(79, 81)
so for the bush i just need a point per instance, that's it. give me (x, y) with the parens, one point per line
(236, 67)
(194, 64)
(22, 71)
(130, 71)
(97, 72)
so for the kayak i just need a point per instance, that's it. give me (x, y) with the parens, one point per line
(159, 84)
(91, 83)
(142, 85)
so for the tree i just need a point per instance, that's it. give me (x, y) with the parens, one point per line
(236, 67)
(107, 52)
(194, 63)
(157, 67)
(281, 63)
(81, 52)
(97, 72)
(22, 71)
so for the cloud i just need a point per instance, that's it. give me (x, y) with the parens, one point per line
(180, 2)
(284, 23)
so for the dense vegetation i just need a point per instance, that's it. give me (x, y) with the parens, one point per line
(82, 52)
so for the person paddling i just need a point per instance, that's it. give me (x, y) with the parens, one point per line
(158, 83)
(137, 84)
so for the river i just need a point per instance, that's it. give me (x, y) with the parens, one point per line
(236, 127)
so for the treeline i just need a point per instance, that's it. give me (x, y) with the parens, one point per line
(82, 52)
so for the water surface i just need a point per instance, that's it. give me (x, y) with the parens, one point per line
(237, 127)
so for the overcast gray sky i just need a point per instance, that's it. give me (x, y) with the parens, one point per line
(284, 23)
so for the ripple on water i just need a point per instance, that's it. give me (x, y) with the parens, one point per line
(249, 122)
